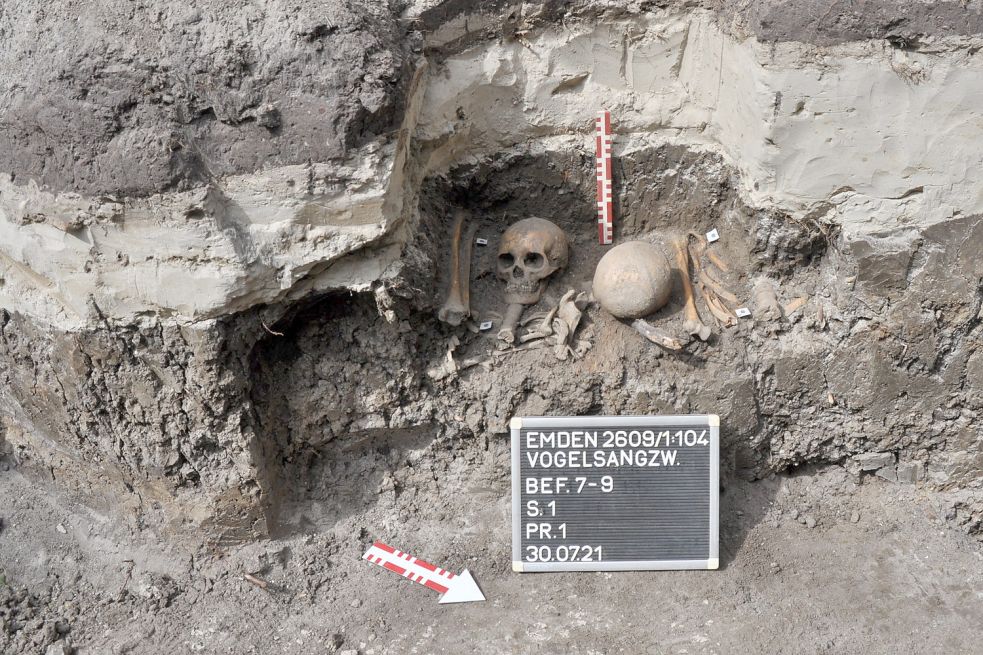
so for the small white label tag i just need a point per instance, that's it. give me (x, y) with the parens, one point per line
(742, 312)
(713, 235)
(485, 325)
(481, 242)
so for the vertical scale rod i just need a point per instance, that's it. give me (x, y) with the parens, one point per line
(605, 203)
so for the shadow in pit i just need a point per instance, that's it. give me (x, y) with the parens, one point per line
(324, 487)
(325, 389)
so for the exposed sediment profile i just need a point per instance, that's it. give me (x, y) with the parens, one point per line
(216, 272)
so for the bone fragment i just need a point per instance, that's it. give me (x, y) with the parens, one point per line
(543, 330)
(795, 305)
(457, 305)
(719, 310)
(259, 582)
(820, 317)
(568, 315)
(717, 261)
(450, 367)
(273, 332)
(716, 286)
(538, 316)
(465, 267)
(656, 335)
(692, 323)
(507, 332)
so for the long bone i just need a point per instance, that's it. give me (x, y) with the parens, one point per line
(457, 306)
(655, 335)
(692, 323)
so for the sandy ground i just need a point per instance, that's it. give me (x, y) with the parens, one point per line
(878, 573)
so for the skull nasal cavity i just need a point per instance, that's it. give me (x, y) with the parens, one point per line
(534, 260)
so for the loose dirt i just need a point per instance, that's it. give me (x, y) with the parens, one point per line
(878, 573)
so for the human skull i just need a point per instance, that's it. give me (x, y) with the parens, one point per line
(633, 279)
(530, 251)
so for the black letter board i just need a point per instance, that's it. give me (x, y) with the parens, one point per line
(615, 493)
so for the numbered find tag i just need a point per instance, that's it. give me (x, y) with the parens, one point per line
(615, 493)
(713, 235)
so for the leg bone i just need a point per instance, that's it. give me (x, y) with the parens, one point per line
(457, 305)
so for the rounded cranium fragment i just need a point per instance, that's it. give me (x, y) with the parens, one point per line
(530, 251)
(633, 279)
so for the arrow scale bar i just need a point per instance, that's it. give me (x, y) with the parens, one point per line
(451, 587)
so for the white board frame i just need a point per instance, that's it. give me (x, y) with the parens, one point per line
(681, 420)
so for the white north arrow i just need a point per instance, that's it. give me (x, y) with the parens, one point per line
(452, 588)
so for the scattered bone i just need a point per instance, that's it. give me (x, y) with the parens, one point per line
(447, 366)
(538, 316)
(544, 329)
(717, 261)
(720, 312)
(273, 332)
(692, 324)
(450, 366)
(501, 352)
(795, 305)
(259, 582)
(716, 286)
(633, 279)
(457, 306)
(559, 324)
(656, 335)
(820, 317)
(765, 300)
(568, 315)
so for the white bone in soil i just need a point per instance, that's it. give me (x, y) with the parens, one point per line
(457, 305)
(692, 323)
(507, 331)
(655, 335)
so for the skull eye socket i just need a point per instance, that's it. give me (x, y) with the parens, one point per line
(533, 260)
(506, 260)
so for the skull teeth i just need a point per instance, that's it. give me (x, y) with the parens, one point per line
(522, 287)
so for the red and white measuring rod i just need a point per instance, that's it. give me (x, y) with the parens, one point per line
(605, 203)
(451, 587)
